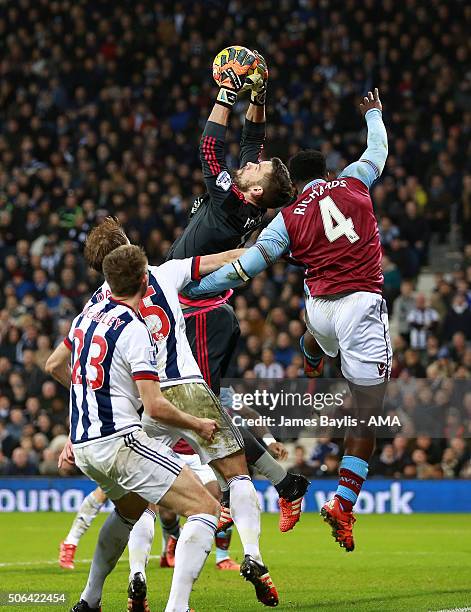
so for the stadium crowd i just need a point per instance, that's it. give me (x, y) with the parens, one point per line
(102, 106)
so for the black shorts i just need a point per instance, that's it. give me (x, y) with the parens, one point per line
(213, 336)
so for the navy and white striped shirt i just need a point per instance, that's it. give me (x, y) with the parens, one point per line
(161, 310)
(111, 348)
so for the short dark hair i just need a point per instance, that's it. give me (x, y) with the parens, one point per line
(124, 269)
(278, 189)
(307, 165)
(103, 239)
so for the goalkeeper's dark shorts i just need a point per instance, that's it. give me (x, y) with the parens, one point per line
(213, 335)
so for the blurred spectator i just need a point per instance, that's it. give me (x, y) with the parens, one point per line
(20, 464)
(268, 367)
(33, 375)
(423, 467)
(392, 281)
(7, 442)
(385, 464)
(402, 456)
(414, 229)
(329, 468)
(322, 448)
(301, 465)
(284, 351)
(458, 318)
(403, 305)
(422, 321)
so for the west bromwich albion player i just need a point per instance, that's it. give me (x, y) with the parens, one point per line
(187, 389)
(113, 373)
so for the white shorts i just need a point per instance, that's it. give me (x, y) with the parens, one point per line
(357, 325)
(203, 471)
(131, 463)
(197, 399)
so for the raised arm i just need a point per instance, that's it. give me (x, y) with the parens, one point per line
(272, 243)
(371, 164)
(253, 133)
(253, 136)
(231, 80)
(212, 155)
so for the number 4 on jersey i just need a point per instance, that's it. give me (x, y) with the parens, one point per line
(343, 227)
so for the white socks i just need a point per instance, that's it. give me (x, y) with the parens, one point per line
(140, 543)
(194, 545)
(112, 541)
(245, 511)
(87, 512)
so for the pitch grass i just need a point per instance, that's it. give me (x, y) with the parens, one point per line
(412, 563)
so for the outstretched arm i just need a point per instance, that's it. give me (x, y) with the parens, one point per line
(371, 164)
(253, 134)
(272, 243)
(210, 263)
(231, 80)
(212, 154)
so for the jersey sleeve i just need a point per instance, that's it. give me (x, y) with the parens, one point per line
(138, 349)
(69, 339)
(179, 272)
(272, 243)
(251, 143)
(216, 175)
(371, 164)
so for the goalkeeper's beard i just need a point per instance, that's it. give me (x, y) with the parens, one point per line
(239, 181)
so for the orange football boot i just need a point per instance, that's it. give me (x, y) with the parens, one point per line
(341, 523)
(228, 564)
(290, 510)
(66, 555)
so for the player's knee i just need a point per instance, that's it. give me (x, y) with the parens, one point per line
(167, 516)
(234, 465)
(131, 506)
(214, 489)
(204, 504)
(212, 506)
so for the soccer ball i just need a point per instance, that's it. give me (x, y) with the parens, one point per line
(231, 53)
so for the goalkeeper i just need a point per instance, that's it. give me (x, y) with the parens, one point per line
(224, 218)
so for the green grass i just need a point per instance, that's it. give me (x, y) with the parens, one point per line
(411, 563)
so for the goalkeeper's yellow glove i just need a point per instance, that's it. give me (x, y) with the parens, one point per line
(258, 81)
(233, 75)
